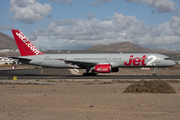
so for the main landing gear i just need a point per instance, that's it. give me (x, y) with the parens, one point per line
(89, 74)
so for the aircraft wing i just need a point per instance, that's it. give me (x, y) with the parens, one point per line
(80, 63)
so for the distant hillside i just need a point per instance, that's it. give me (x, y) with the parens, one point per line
(7, 42)
(128, 47)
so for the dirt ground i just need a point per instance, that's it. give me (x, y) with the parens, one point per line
(86, 101)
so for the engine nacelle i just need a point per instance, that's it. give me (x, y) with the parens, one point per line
(103, 68)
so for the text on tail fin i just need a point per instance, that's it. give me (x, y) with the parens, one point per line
(24, 45)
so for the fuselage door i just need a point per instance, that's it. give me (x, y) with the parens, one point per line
(40, 58)
(157, 60)
(124, 59)
(67, 58)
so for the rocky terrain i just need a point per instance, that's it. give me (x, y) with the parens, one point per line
(93, 100)
(128, 47)
(7, 42)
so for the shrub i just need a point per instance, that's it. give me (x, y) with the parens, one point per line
(156, 86)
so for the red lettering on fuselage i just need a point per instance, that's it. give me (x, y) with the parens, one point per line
(136, 61)
(130, 61)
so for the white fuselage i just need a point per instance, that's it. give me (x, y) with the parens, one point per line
(115, 59)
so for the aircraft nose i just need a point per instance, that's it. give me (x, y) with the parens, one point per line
(173, 63)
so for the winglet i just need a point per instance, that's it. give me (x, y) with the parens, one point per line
(25, 46)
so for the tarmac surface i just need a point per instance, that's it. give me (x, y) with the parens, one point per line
(50, 73)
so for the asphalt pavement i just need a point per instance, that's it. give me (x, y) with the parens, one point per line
(50, 73)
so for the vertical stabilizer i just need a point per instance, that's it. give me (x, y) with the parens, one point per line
(26, 48)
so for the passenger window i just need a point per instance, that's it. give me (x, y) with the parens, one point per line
(167, 58)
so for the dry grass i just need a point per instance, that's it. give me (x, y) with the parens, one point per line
(156, 86)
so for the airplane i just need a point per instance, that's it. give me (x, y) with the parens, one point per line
(94, 62)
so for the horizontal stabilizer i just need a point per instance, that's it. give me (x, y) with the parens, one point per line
(24, 59)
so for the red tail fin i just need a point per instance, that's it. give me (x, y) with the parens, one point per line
(25, 46)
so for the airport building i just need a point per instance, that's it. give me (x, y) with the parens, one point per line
(5, 60)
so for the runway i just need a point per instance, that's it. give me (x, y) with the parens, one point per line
(49, 73)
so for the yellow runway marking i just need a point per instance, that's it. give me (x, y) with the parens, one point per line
(42, 71)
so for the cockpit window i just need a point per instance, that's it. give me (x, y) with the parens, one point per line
(167, 58)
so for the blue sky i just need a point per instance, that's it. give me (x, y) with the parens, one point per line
(79, 24)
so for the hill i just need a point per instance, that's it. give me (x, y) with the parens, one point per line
(7, 42)
(128, 47)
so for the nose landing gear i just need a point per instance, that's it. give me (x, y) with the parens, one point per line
(155, 71)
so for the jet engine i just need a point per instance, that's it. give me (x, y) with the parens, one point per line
(103, 68)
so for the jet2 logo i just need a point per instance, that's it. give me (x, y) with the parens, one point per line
(136, 61)
(28, 43)
(22, 37)
(141, 61)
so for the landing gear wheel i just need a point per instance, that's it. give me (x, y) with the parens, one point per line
(155, 71)
(89, 74)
